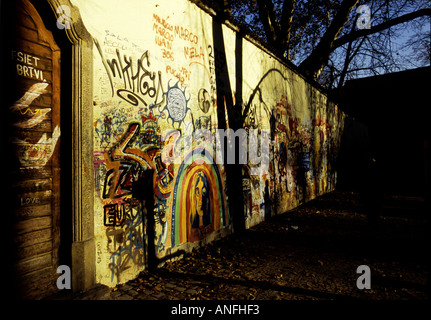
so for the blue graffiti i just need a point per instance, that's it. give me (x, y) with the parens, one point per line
(128, 243)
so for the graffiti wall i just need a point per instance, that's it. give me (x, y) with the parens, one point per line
(156, 108)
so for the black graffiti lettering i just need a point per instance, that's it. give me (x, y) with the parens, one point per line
(125, 71)
(114, 215)
(139, 82)
(117, 214)
(204, 100)
(113, 64)
(130, 97)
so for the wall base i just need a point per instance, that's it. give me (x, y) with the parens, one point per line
(83, 266)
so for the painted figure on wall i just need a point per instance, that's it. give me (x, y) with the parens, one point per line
(200, 209)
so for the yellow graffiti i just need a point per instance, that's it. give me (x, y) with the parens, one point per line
(29, 110)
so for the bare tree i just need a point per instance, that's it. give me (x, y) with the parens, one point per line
(322, 39)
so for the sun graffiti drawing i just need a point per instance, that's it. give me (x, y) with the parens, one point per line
(176, 104)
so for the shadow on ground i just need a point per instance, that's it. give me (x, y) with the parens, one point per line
(313, 251)
(309, 253)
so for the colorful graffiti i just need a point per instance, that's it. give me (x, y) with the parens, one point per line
(198, 204)
(155, 109)
(39, 153)
(197, 207)
(126, 244)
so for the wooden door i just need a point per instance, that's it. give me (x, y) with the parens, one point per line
(35, 138)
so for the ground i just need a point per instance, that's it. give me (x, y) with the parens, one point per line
(309, 253)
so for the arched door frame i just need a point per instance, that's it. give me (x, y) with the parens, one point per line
(83, 266)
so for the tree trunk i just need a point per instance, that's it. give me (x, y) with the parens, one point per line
(314, 63)
(224, 100)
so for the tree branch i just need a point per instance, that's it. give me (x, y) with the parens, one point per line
(286, 23)
(318, 58)
(380, 27)
(269, 21)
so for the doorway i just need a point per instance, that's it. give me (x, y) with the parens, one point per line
(32, 62)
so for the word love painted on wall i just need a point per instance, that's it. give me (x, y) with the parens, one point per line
(27, 65)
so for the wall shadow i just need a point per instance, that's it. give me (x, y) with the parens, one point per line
(234, 121)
